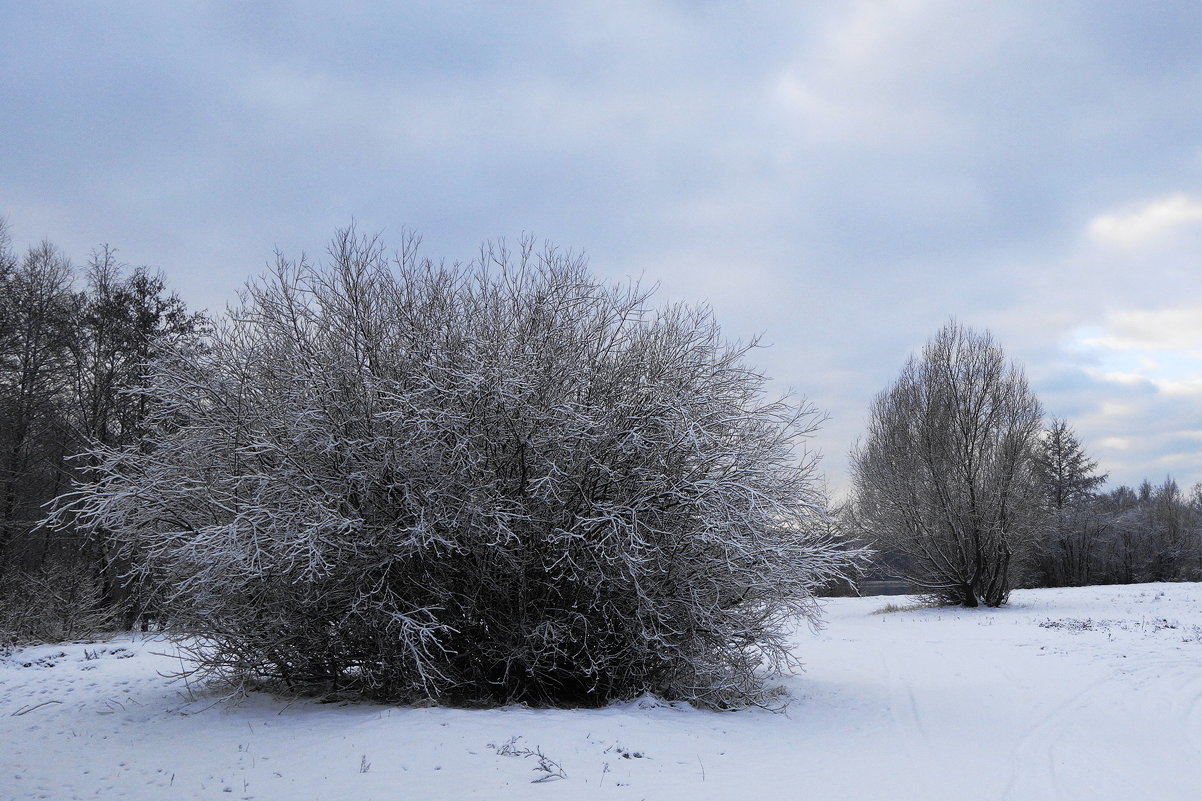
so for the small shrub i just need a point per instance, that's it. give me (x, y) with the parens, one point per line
(891, 608)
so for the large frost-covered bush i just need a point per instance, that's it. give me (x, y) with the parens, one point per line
(502, 481)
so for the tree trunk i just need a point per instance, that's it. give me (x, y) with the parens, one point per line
(969, 596)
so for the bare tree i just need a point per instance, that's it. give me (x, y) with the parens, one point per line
(125, 314)
(501, 481)
(39, 310)
(945, 478)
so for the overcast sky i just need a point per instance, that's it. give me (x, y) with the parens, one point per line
(840, 177)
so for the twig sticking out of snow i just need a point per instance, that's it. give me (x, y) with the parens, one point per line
(25, 710)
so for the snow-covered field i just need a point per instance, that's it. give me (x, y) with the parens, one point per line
(1092, 693)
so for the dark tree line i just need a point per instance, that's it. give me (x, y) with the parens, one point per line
(1117, 536)
(73, 345)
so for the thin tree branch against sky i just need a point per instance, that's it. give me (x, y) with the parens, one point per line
(840, 178)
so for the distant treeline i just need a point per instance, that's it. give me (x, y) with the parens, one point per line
(1123, 536)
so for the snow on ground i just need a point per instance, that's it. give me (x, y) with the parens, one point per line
(1090, 693)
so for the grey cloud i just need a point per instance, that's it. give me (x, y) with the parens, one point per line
(839, 178)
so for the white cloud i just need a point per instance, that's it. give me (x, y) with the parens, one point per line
(1151, 330)
(1127, 379)
(1147, 223)
(1166, 386)
(1135, 378)
(1158, 349)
